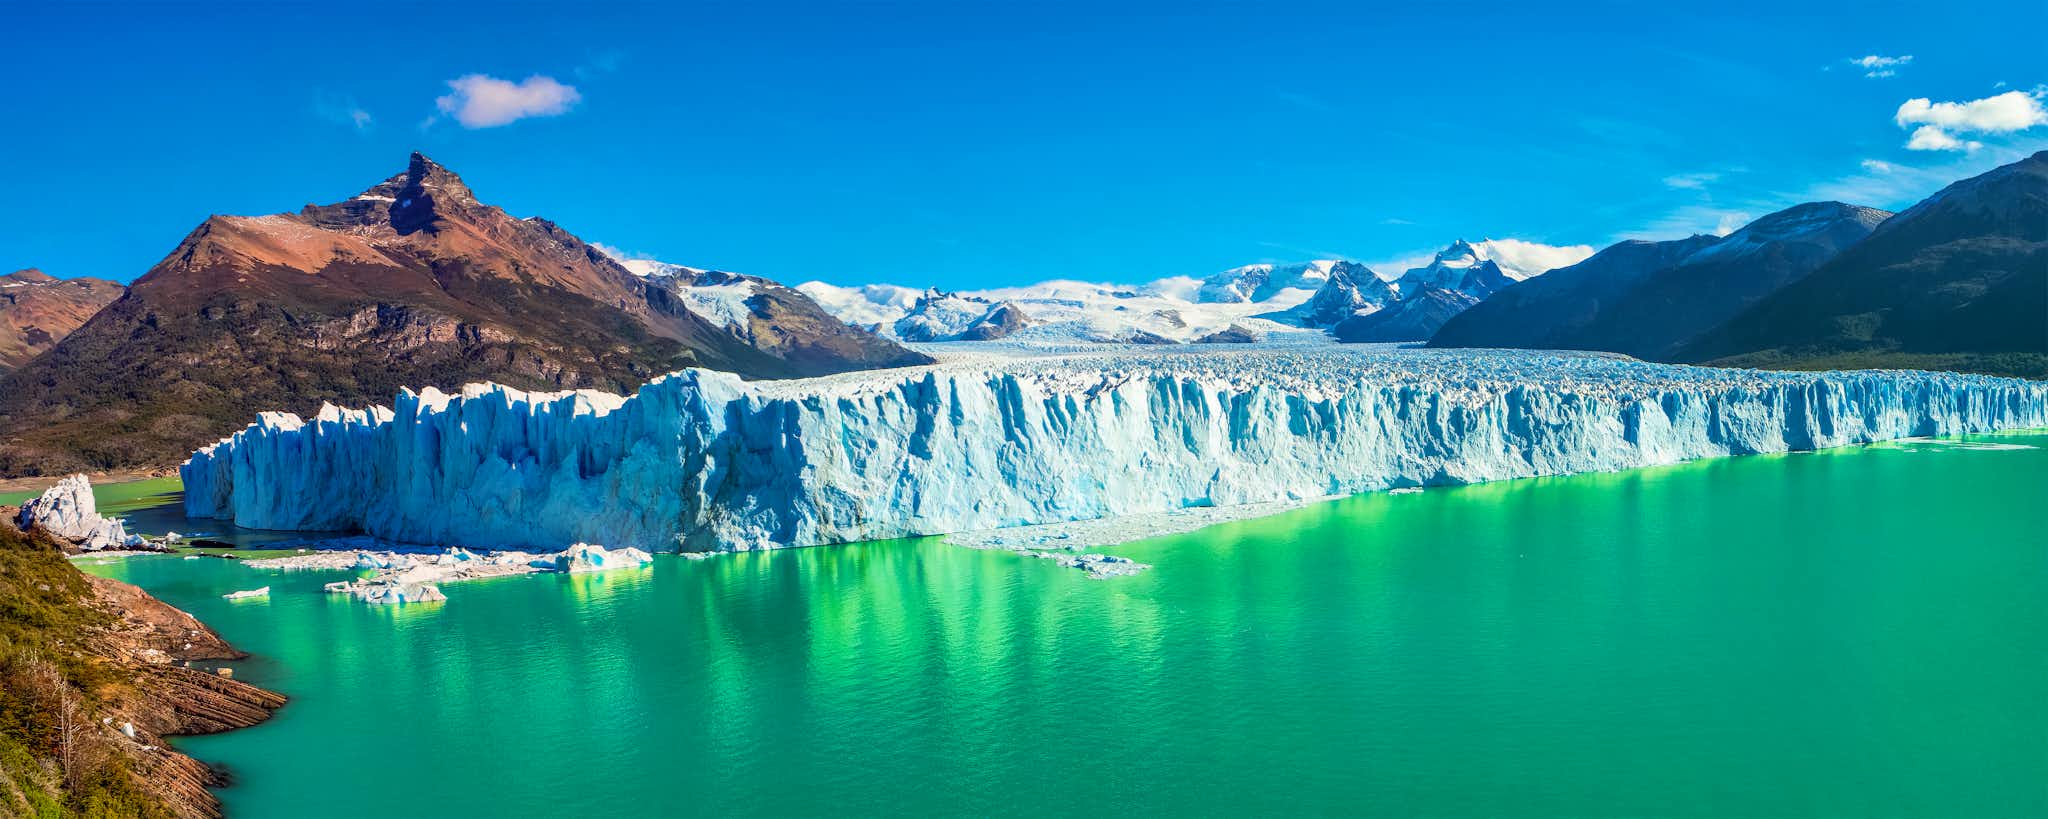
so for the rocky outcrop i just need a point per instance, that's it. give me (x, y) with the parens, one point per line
(38, 310)
(1234, 334)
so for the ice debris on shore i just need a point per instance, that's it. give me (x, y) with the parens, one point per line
(68, 510)
(399, 577)
(700, 460)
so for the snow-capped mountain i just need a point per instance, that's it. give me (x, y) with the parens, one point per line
(1256, 300)
(767, 315)
(942, 316)
(1480, 269)
(1263, 282)
(1351, 289)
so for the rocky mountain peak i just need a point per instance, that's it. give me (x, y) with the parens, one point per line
(29, 275)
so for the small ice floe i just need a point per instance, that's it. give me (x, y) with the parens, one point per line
(244, 595)
(1405, 490)
(172, 538)
(398, 577)
(585, 557)
(1100, 567)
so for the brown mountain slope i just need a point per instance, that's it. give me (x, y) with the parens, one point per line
(411, 283)
(38, 310)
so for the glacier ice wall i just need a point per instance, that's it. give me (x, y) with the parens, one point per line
(701, 460)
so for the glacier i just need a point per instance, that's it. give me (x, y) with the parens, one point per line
(991, 437)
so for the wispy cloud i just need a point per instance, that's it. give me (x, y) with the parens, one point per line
(1876, 66)
(1941, 124)
(1395, 221)
(483, 101)
(341, 109)
(1691, 181)
(1689, 220)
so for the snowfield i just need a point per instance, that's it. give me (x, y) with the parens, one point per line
(998, 435)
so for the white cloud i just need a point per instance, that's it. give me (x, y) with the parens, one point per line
(1877, 166)
(2010, 111)
(1690, 181)
(482, 101)
(616, 254)
(1932, 138)
(1942, 123)
(1535, 256)
(1518, 254)
(1877, 66)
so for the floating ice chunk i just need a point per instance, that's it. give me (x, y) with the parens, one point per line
(244, 595)
(585, 557)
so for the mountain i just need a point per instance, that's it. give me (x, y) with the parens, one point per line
(1647, 298)
(1460, 276)
(942, 316)
(1958, 281)
(1417, 315)
(411, 283)
(38, 310)
(774, 319)
(1262, 282)
(1351, 289)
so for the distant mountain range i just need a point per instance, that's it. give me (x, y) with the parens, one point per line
(38, 310)
(411, 283)
(1254, 300)
(1958, 281)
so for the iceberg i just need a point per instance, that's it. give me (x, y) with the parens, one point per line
(584, 557)
(68, 510)
(703, 461)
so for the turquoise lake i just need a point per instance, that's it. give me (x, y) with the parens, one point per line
(1858, 632)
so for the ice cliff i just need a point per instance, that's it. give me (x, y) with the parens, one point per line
(701, 460)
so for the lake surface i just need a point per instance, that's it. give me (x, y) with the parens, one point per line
(1859, 632)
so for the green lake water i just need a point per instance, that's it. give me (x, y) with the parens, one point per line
(1861, 632)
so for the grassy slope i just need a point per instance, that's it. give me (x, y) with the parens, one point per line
(45, 672)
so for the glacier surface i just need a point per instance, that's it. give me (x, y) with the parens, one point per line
(990, 438)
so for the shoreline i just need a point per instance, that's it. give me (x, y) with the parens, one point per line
(125, 670)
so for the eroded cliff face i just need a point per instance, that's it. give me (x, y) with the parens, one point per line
(702, 460)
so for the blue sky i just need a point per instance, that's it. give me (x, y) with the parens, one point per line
(980, 144)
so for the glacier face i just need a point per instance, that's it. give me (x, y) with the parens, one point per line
(700, 460)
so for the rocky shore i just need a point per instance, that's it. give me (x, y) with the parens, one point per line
(99, 673)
